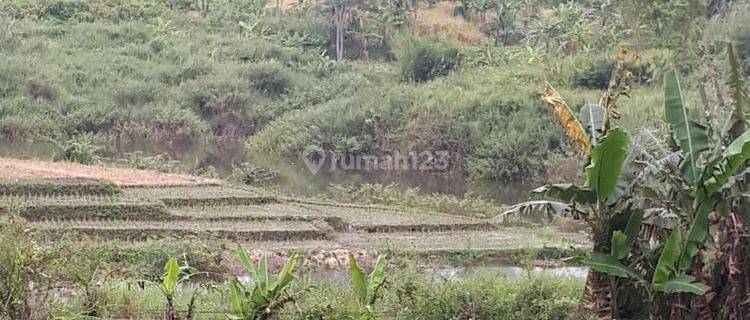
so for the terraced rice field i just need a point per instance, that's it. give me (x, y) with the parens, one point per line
(200, 195)
(142, 230)
(12, 169)
(112, 211)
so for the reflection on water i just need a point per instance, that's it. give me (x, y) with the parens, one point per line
(27, 149)
(457, 273)
(450, 273)
(293, 176)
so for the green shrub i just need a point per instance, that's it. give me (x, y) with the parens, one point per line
(21, 281)
(39, 90)
(422, 59)
(249, 174)
(595, 75)
(594, 72)
(67, 10)
(80, 149)
(143, 10)
(546, 297)
(22, 9)
(268, 77)
(228, 104)
(134, 93)
(38, 187)
(96, 118)
(26, 127)
(542, 297)
(515, 148)
(306, 30)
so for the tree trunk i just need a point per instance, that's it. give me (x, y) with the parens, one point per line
(339, 13)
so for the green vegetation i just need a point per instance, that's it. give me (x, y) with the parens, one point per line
(106, 79)
(106, 280)
(39, 187)
(367, 287)
(393, 195)
(269, 293)
(624, 194)
(644, 137)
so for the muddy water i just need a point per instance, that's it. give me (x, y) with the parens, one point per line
(294, 177)
(450, 273)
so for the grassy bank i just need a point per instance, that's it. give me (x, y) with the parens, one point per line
(409, 295)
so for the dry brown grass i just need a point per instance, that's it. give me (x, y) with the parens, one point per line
(36, 169)
(439, 21)
(435, 21)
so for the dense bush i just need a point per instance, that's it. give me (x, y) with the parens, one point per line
(595, 75)
(68, 10)
(269, 78)
(80, 10)
(593, 72)
(422, 59)
(80, 149)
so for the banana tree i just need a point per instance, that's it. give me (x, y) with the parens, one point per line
(174, 274)
(367, 287)
(269, 293)
(639, 199)
(717, 179)
(603, 200)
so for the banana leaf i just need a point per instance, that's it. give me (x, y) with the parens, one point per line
(171, 276)
(732, 161)
(568, 192)
(565, 117)
(238, 307)
(376, 279)
(691, 136)
(697, 233)
(665, 268)
(536, 208)
(680, 284)
(359, 281)
(610, 265)
(607, 159)
(623, 240)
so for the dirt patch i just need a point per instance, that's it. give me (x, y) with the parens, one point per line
(12, 169)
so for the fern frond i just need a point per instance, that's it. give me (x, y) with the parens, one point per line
(574, 130)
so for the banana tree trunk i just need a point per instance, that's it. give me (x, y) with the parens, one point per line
(731, 273)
